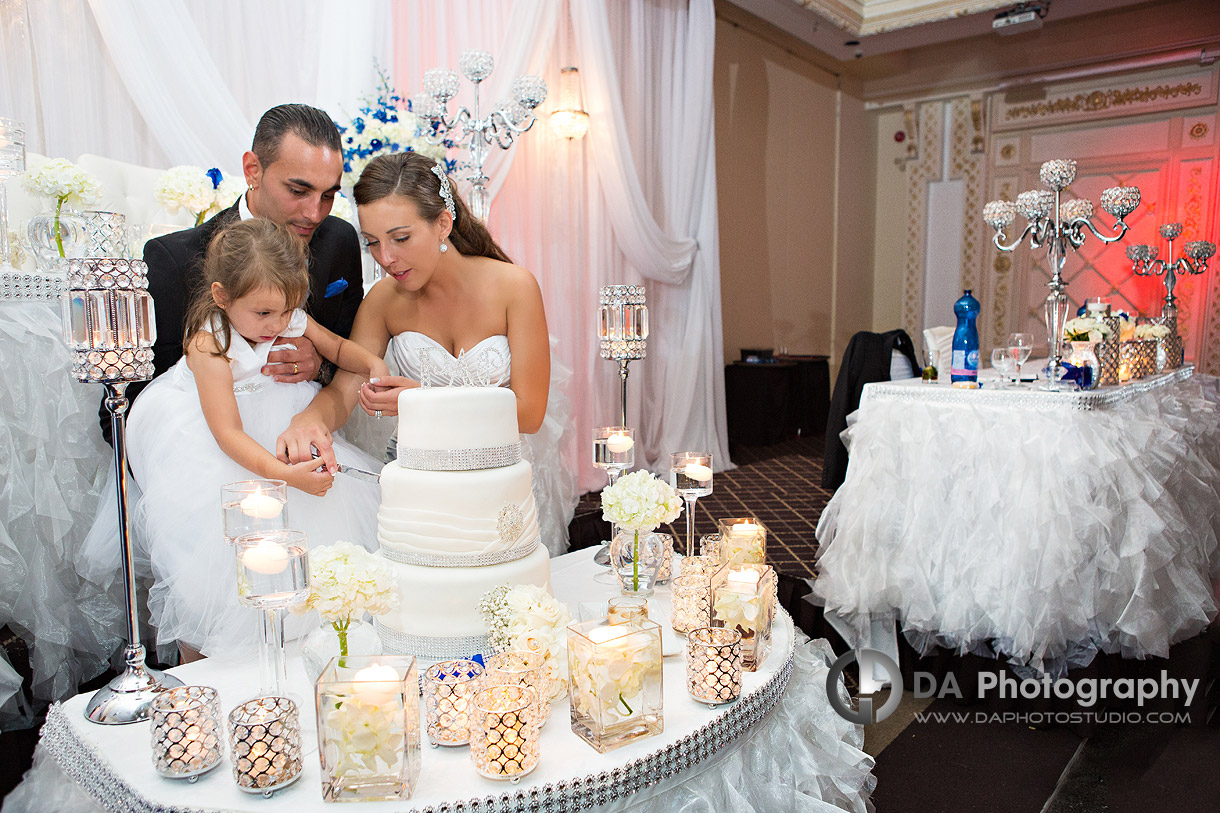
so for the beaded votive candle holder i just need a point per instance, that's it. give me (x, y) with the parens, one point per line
(626, 610)
(187, 733)
(698, 566)
(614, 682)
(265, 744)
(518, 667)
(743, 598)
(690, 606)
(713, 664)
(504, 735)
(1138, 357)
(665, 572)
(709, 545)
(368, 728)
(449, 690)
(742, 540)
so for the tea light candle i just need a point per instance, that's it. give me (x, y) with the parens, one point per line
(619, 442)
(698, 472)
(267, 557)
(743, 578)
(376, 685)
(744, 529)
(260, 506)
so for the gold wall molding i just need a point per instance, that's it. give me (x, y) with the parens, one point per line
(926, 167)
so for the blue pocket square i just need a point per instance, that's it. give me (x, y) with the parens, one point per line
(335, 288)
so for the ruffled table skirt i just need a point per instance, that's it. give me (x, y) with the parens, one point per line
(1042, 527)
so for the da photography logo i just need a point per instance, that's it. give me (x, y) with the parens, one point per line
(868, 659)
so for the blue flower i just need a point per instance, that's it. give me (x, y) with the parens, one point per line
(216, 177)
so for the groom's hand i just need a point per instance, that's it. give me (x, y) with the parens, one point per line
(292, 365)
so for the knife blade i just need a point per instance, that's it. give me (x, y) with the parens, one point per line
(358, 474)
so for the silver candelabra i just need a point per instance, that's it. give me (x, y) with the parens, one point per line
(506, 120)
(1144, 263)
(1058, 225)
(622, 330)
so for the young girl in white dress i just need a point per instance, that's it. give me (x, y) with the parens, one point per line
(213, 419)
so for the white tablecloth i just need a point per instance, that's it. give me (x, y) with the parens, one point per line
(1042, 526)
(800, 755)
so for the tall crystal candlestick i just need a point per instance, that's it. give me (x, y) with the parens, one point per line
(622, 330)
(1058, 225)
(109, 327)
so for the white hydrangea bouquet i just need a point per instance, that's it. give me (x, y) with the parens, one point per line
(201, 192)
(1150, 331)
(527, 617)
(64, 182)
(640, 501)
(1085, 329)
(345, 582)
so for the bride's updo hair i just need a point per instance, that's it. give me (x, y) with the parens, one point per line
(409, 175)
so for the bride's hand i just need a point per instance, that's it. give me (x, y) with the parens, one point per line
(379, 397)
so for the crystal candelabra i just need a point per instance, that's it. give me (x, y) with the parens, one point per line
(1193, 261)
(622, 329)
(1058, 225)
(507, 119)
(109, 327)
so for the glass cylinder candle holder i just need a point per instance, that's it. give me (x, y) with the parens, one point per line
(265, 744)
(504, 734)
(743, 540)
(698, 566)
(709, 545)
(743, 598)
(368, 728)
(253, 506)
(626, 610)
(519, 667)
(713, 665)
(449, 690)
(614, 682)
(613, 449)
(691, 603)
(187, 732)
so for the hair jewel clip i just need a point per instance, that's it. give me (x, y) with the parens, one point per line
(438, 169)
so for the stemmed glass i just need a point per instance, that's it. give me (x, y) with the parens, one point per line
(613, 451)
(1020, 346)
(272, 576)
(1002, 362)
(690, 473)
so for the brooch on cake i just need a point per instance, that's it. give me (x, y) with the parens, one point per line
(510, 524)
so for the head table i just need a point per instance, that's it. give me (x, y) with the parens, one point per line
(781, 746)
(1042, 527)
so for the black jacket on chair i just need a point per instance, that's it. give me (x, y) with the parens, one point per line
(175, 274)
(867, 359)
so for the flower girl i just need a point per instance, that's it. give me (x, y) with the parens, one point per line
(213, 419)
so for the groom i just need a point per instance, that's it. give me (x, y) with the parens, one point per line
(292, 172)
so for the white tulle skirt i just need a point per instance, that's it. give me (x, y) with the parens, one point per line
(178, 469)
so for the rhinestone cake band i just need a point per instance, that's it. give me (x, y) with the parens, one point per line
(462, 560)
(430, 649)
(487, 457)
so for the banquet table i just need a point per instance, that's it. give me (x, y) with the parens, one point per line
(1040, 527)
(781, 746)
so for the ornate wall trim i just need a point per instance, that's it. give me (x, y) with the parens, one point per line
(920, 171)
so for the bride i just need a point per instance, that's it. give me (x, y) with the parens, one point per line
(450, 292)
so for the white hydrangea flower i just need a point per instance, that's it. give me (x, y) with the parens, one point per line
(1150, 331)
(63, 181)
(639, 501)
(346, 581)
(194, 189)
(1085, 329)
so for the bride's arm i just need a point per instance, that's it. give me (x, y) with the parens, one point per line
(530, 348)
(310, 429)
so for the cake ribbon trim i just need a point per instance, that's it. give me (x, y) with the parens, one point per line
(429, 648)
(498, 557)
(473, 459)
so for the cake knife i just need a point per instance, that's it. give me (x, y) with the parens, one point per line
(352, 471)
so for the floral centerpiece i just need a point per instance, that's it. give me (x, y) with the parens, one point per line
(1150, 332)
(639, 501)
(64, 182)
(1085, 329)
(202, 193)
(385, 124)
(527, 617)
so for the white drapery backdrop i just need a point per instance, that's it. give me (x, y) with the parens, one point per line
(183, 81)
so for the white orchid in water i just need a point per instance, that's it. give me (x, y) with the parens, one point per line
(610, 685)
(369, 737)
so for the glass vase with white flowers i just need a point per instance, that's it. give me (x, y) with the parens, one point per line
(203, 193)
(637, 504)
(61, 234)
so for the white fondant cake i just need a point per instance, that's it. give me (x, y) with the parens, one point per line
(457, 518)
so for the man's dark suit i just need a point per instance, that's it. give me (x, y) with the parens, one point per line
(175, 275)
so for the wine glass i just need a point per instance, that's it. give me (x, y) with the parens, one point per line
(1002, 362)
(1020, 346)
(690, 473)
(614, 452)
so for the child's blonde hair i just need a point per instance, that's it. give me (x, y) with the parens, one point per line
(244, 257)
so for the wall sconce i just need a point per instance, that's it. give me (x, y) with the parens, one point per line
(570, 119)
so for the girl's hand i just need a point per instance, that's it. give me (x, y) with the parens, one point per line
(380, 395)
(310, 476)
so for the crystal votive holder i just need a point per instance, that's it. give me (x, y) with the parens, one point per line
(272, 568)
(505, 732)
(713, 664)
(519, 667)
(187, 732)
(253, 506)
(614, 682)
(368, 728)
(709, 545)
(449, 690)
(690, 605)
(265, 744)
(698, 566)
(743, 598)
(742, 540)
(626, 610)
(1138, 356)
(666, 571)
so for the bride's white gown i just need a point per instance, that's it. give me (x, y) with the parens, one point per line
(554, 484)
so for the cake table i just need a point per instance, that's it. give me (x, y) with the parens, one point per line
(781, 746)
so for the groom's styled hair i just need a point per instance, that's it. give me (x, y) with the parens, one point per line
(311, 125)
